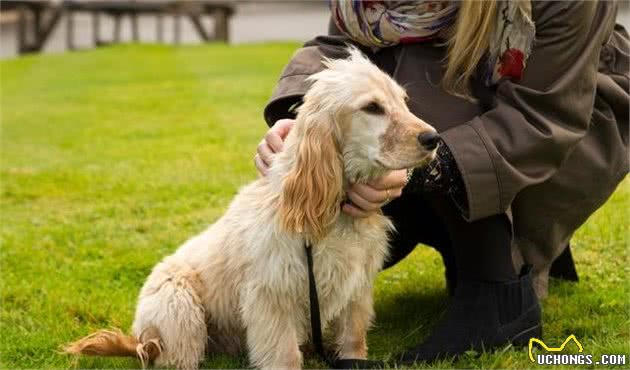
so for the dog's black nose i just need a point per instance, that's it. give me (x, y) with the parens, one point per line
(429, 140)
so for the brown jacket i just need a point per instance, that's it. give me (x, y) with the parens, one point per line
(548, 150)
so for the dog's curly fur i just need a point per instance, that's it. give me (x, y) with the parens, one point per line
(242, 283)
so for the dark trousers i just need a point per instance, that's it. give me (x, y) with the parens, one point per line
(479, 250)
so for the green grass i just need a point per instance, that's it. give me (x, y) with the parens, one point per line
(113, 157)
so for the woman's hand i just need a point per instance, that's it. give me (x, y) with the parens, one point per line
(272, 144)
(370, 197)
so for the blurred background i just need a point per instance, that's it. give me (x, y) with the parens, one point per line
(83, 23)
(57, 25)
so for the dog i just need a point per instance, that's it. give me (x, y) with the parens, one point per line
(243, 283)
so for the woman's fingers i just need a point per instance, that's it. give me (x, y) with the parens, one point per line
(378, 196)
(362, 203)
(261, 166)
(265, 152)
(394, 179)
(276, 135)
(366, 199)
(284, 126)
(370, 193)
(272, 143)
(353, 211)
(373, 198)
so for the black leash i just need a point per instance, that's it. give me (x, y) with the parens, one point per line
(316, 322)
(316, 325)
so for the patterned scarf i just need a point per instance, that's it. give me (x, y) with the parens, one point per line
(379, 24)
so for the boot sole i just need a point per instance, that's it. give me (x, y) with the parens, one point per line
(522, 339)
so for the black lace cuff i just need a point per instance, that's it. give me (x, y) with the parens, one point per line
(440, 176)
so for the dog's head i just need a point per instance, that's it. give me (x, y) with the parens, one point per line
(367, 110)
(354, 125)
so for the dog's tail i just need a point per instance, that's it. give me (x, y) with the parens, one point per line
(116, 343)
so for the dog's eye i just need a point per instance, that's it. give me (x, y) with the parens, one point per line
(373, 108)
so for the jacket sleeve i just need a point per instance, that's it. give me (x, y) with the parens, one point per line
(535, 123)
(306, 61)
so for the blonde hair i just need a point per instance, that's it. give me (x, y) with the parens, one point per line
(468, 43)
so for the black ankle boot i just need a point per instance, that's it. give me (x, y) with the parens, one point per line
(451, 281)
(481, 316)
(450, 268)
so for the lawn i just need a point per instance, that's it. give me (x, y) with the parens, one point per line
(113, 157)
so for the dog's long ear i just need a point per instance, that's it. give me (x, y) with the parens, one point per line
(312, 189)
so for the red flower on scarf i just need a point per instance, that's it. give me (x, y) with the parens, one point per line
(367, 4)
(511, 64)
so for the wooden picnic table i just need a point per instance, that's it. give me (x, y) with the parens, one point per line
(45, 16)
(194, 10)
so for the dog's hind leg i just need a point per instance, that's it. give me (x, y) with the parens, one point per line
(169, 308)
